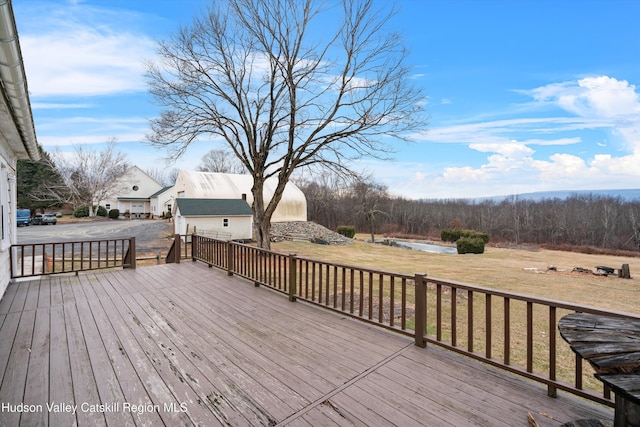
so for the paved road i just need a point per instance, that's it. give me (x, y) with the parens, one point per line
(151, 235)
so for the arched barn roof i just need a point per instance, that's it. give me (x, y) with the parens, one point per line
(213, 185)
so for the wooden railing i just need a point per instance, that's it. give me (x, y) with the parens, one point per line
(35, 259)
(511, 331)
(180, 248)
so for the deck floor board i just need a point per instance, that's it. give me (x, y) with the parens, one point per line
(184, 344)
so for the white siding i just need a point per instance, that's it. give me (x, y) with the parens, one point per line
(134, 184)
(7, 215)
(239, 227)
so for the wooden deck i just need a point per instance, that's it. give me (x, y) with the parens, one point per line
(182, 344)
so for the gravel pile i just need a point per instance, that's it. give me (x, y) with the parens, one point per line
(308, 231)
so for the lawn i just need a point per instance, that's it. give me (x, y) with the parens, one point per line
(516, 270)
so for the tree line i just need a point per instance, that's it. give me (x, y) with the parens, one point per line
(580, 220)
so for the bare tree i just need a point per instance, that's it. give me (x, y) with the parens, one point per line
(369, 197)
(90, 175)
(166, 177)
(223, 161)
(286, 84)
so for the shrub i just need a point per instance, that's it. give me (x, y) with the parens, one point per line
(453, 235)
(346, 230)
(114, 213)
(101, 211)
(450, 234)
(470, 245)
(81, 211)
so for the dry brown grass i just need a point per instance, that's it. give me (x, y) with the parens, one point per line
(507, 270)
(498, 268)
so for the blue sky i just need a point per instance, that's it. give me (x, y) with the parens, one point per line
(523, 95)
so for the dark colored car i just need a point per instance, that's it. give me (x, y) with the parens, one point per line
(23, 217)
(45, 219)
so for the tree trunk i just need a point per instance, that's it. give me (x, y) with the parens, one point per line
(261, 220)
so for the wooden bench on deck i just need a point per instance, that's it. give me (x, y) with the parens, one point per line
(612, 346)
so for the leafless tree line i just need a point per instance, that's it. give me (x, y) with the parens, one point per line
(580, 220)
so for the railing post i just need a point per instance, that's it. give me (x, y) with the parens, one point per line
(129, 260)
(230, 258)
(194, 242)
(421, 309)
(292, 277)
(177, 253)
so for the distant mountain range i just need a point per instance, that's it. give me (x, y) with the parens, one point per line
(626, 195)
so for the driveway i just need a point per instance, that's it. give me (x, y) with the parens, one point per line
(151, 235)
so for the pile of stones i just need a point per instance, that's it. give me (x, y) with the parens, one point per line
(306, 231)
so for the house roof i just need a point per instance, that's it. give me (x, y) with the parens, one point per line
(159, 192)
(212, 207)
(16, 118)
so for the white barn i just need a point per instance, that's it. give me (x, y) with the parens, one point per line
(132, 193)
(211, 185)
(17, 134)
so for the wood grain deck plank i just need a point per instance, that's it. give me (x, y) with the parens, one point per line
(13, 382)
(329, 328)
(228, 381)
(37, 384)
(7, 298)
(106, 379)
(268, 347)
(320, 333)
(56, 291)
(203, 405)
(294, 351)
(243, 367)
(7, 337)
(60, 374)
(158, 392)
(133, 391)
(510, 393)
(66, 287)
(22, 289)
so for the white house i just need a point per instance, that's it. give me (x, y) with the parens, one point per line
(132, 193)
(162, 202)
(211, 185)
(17, 133)
(228, 219)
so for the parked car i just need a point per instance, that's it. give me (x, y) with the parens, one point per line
(23, 217)
(44, 219)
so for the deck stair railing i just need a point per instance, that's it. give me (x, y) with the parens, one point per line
(35, 259)
(511, 331)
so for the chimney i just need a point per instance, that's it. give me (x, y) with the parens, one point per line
(244, 196)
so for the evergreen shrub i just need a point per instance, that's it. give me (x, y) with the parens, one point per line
(81, 211)
(346, 230)
(114, 213)
(470, 245)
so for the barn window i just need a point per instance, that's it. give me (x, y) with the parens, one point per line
(225, 222)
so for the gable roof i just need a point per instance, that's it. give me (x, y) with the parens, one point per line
(212, 207)
(159, 192)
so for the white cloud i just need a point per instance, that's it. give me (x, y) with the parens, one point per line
(512, 166)
(76, 50)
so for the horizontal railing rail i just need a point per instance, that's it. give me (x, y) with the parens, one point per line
(35, 259)
(511, 331)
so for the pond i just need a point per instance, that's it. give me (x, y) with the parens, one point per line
(425, 247)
